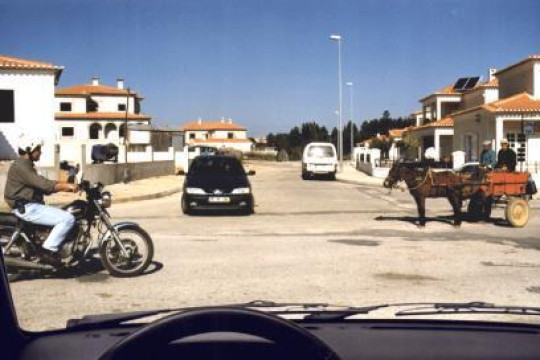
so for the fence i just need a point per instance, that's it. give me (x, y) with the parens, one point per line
(369, 161)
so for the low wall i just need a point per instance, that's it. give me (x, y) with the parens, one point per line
(114, 173)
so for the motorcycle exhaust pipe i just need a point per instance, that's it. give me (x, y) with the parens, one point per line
(25, 264)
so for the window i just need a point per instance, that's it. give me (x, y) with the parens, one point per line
(121, 107)
(68, 131)
(65, 106)
(230, 135)
(7, 106)
(192, 136)
(94, 131)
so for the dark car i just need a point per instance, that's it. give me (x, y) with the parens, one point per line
(217, 183)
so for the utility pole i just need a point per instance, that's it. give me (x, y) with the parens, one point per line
(126, 127)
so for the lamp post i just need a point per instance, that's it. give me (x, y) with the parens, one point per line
(337, 38)
(351, 86)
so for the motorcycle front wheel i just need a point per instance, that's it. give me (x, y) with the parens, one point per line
(139, 247)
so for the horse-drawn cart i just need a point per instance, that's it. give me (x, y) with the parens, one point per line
(507, 189)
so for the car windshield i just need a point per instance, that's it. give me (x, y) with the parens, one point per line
(216, 166)
(321, 151)
(169, 154)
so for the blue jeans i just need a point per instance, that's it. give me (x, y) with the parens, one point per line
(49, 216)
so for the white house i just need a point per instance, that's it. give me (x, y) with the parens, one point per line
(27, 105)
(217, 134)
(435, 125)
(97, 114)
(515, 115)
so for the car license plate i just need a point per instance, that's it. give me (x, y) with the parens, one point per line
(219, 199)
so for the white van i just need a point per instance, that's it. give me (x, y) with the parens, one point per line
(319, 159)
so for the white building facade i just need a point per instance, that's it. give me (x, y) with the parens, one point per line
(27, 105)
(515, 116)
(217, 134)
(94, 114)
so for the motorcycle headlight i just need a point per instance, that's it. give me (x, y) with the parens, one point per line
(195, 191)
(240, 191)
(106, 199)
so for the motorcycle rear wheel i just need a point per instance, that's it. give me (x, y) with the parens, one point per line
(138, 243)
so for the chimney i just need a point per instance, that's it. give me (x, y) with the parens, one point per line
(95, 81)
(120, 83)
(491, 74)
(199, 121)
(222, 119)
(230, 121)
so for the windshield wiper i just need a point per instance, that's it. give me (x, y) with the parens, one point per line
(317, 311)
(111, 320)
(475, 307)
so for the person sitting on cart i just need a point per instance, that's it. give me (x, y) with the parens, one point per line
(506, 159)
(488, 158)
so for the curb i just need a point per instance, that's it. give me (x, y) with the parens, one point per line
(119, 200)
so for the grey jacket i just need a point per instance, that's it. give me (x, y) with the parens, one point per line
(23, 182)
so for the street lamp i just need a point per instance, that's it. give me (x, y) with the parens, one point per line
(350, 84)
(337, 38)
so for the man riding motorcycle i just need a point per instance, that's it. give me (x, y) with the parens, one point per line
(24, 192)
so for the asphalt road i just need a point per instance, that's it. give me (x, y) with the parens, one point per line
(309, 241)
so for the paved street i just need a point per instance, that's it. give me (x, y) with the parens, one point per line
(308, 241)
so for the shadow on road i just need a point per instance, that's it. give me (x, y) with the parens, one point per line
(91, 271)
(446, 219)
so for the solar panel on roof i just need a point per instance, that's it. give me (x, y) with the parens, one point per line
(460, 83)
(471, 82)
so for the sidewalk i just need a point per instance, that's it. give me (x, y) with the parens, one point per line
(145, 189)
(352, 176)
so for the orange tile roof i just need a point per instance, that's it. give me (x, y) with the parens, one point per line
(534, 57)
(492, 83)
(225, 141)
(447, 90)
(446, 122)
(211, 126)
(99, 116)
(396, 132)
(10, 62)
(522, 102)
(88, 89)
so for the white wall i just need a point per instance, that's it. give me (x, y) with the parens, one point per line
(78, 104)
(536, 93)
(219, 134)
(34, 109)
(110, 103)
(139, 137)
(517, 80)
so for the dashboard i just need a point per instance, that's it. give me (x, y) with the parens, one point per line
(350, 339)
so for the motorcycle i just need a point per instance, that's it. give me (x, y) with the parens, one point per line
(125, 248)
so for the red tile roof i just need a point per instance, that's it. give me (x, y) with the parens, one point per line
(518, 103)
(492, 83)
(88, 89)
(396, 132)
(212, 126)
(99, 116)
(447, 90)
(225, 141)
(446, 122)
(10, 62)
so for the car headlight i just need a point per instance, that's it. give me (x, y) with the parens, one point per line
(195, 191)
(240, 191)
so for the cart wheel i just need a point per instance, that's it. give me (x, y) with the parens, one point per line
(517, 212)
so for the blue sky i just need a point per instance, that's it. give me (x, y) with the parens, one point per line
(269, 64)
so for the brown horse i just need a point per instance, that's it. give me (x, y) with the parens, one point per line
(424, 182)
